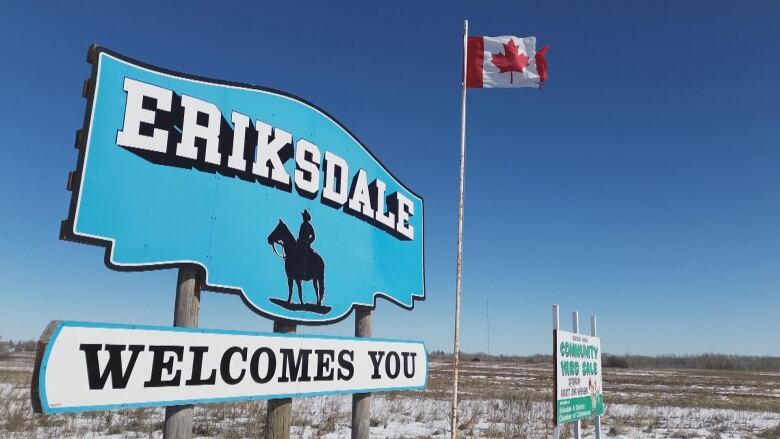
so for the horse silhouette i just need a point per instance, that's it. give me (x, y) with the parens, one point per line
(300, 264)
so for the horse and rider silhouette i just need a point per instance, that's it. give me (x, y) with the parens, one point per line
(301, 262)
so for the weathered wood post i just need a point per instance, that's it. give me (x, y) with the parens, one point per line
(178, 419)
(278, 416)
(361, 402)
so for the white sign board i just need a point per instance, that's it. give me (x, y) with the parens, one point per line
(92, 366)
(578, 391)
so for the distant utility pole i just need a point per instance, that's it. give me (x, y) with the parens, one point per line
(488, 324)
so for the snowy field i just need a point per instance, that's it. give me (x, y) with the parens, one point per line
(499, 400)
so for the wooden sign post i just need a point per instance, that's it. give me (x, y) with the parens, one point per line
(178, 419)
(278, 415)
(361, 402)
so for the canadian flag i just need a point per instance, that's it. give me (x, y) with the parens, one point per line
(505, 61)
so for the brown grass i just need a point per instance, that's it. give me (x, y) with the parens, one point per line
(498, 400)
(738, 390)
(771, 433)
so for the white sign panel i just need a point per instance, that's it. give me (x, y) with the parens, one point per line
(578, 391)
(92, 366)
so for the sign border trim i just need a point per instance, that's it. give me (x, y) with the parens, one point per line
(44, 403)
(67, 228)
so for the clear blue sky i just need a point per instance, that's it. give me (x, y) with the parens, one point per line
(641, 185)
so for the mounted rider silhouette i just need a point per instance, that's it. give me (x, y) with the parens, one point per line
(306, 234)
(301, 263)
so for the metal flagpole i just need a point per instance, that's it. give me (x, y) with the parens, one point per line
(456, 350)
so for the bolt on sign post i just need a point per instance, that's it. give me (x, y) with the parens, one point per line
(246, 190)
(577, 386)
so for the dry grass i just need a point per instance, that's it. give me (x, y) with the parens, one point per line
(726, 389)
(771, 433)
(498, 400)
(16, 418)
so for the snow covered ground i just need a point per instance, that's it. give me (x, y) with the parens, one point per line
(405, 417)
(499, 401)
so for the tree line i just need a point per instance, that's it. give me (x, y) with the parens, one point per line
(711, 361)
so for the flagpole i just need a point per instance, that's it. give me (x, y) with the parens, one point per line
(456, 350)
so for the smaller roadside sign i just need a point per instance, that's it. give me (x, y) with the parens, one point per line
(578, 387)
(94, 366)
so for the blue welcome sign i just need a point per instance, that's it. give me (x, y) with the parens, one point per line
(270, 195)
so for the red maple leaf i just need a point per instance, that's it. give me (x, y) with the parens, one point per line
(510, 61)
